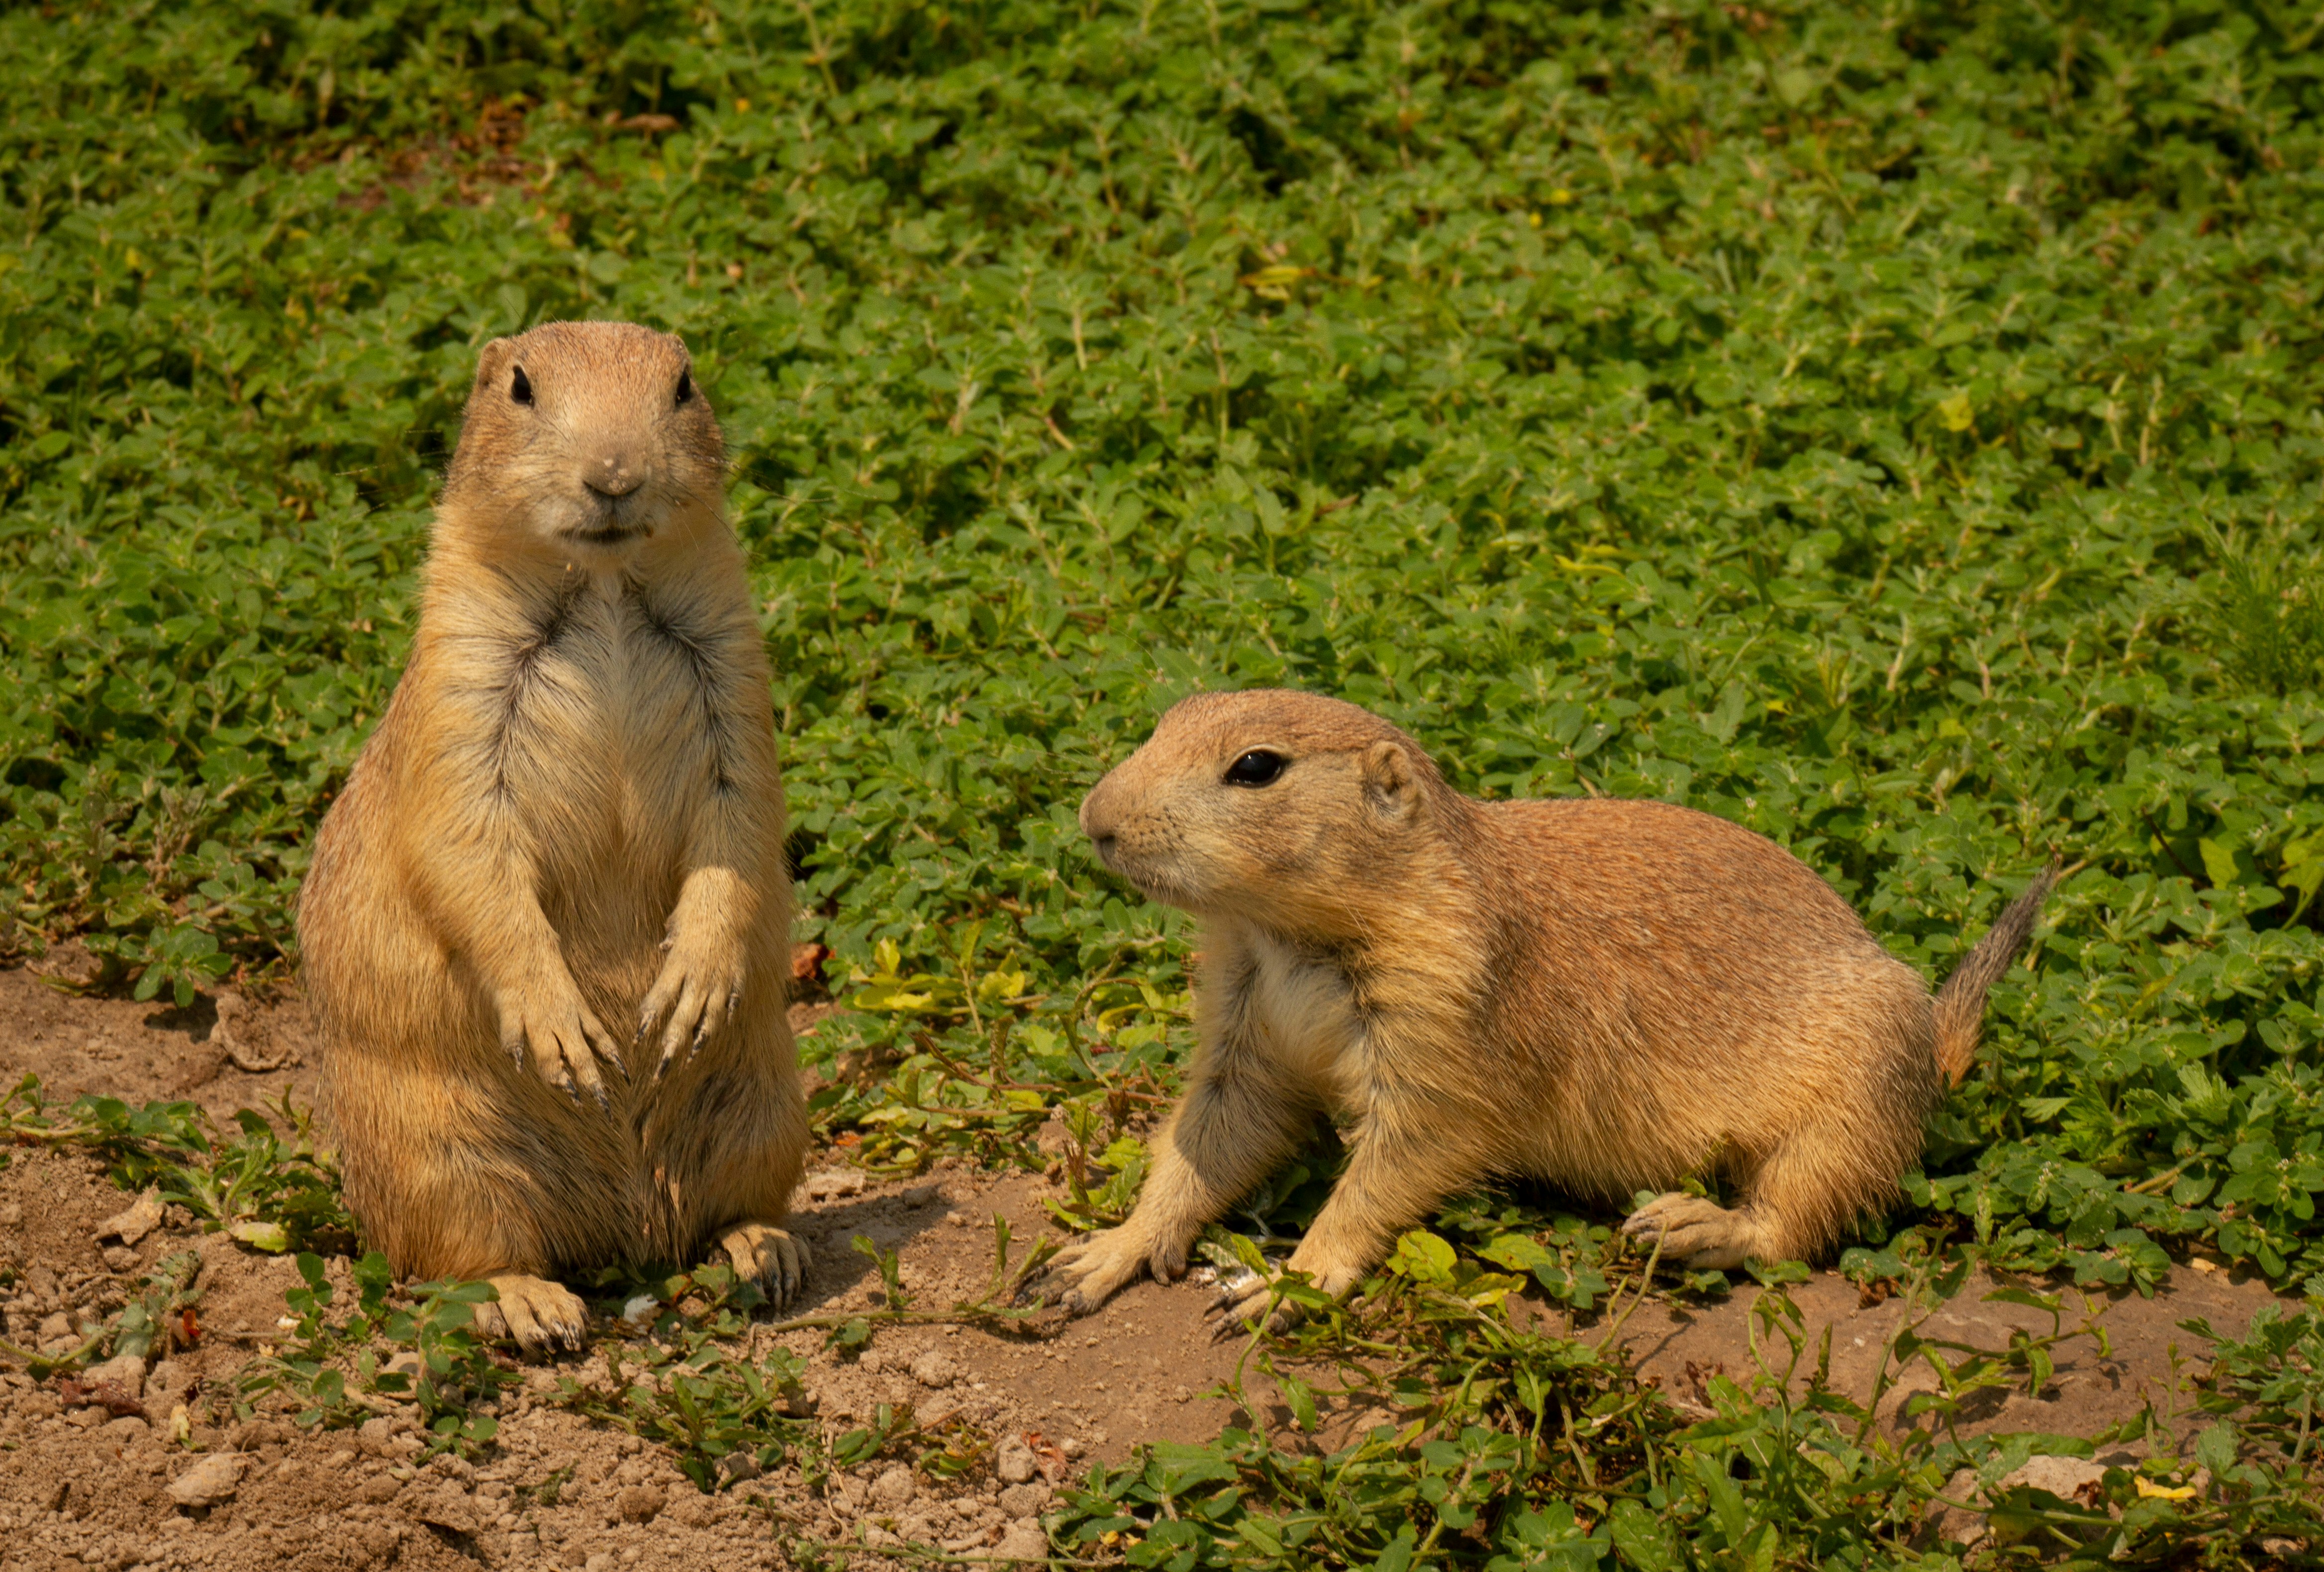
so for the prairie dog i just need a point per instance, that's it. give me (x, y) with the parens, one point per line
(546, 930)
(1607, 995)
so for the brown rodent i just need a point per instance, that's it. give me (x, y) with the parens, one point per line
(1607, 995)
(546, 930)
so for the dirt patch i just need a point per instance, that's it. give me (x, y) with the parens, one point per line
(224, 1053)
(92, 1484)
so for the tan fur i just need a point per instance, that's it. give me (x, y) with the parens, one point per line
(1607, 995)
(546, 930)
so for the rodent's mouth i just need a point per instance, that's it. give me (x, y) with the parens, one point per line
(1149, 881)
(609, 534)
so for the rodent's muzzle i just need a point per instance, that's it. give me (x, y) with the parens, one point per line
(1097, 821)
(615, 473)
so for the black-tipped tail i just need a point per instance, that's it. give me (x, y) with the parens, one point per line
(1960, 1003)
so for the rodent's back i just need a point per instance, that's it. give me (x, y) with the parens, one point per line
(1672, 884)
(1669, 974)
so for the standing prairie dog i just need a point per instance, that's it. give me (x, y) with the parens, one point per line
(1607, 995)
(547, 928)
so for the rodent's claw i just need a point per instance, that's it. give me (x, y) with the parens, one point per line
(535, 1312)
(769, 1256)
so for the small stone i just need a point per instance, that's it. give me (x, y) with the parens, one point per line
(126, 1371)
(380, 1489)
(1180, 1394)
(447, 1507)
(640, 1503)
(894, 1488)
(139, 1218)
(1024, 1541)
(120, 1258)
(739, 1466)
(825, 1186)
(1024, 1500)
(1015, 1463)
(87, 1418)
(934, 1369)
(2061, 1476)
(54, 1329)
(252, 1434)
(375, 1437)
(168, 1383)
(1072, 1447)
(211, 1480)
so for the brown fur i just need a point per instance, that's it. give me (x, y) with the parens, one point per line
(570, 819)
(1609, 995)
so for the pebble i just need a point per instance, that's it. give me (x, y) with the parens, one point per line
(640, 1503)
(56, 1328)
(211, 1480)
(2061, 1476)
(126, 1371)
(894, 1488)
(1015, 1463)
(140, 1217)
(448, 1508)
(934, 1369)
(380, 1489)
(1024, 1541)
(1024, 1500)
(739, 1466)
(167, 1382)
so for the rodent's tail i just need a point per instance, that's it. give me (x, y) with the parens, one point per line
(1960, 1003)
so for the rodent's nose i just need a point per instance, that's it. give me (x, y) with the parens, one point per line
(1095, 821)
(613, 475)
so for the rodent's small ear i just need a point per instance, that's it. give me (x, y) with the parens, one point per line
(1389, 783)
(492, 359)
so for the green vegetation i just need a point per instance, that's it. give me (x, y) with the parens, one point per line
(1894, 427)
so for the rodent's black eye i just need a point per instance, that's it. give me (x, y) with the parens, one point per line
(684, 388)
(521, 387)
(1257, 768)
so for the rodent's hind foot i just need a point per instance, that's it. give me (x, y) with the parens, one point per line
(1091, 1271)
(535, 1312)
(769, 1256)
(1703, 1234)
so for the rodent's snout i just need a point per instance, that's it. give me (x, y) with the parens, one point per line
(614, 474)
(1098, 820)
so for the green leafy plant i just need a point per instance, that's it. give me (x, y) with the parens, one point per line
(271, 1192)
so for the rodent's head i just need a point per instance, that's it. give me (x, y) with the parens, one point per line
(1287, 809)
(584, 440)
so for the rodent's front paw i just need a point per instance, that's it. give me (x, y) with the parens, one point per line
(1238, 1300)
(699, 987)
(769, 1256)
(552, 1027)
(1702, 1234)
(535, 1312)
(1087, 1273)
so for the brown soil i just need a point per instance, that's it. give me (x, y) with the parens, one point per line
(87, 1487)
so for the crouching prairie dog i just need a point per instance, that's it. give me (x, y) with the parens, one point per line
(546, 928)
(1607, 995)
